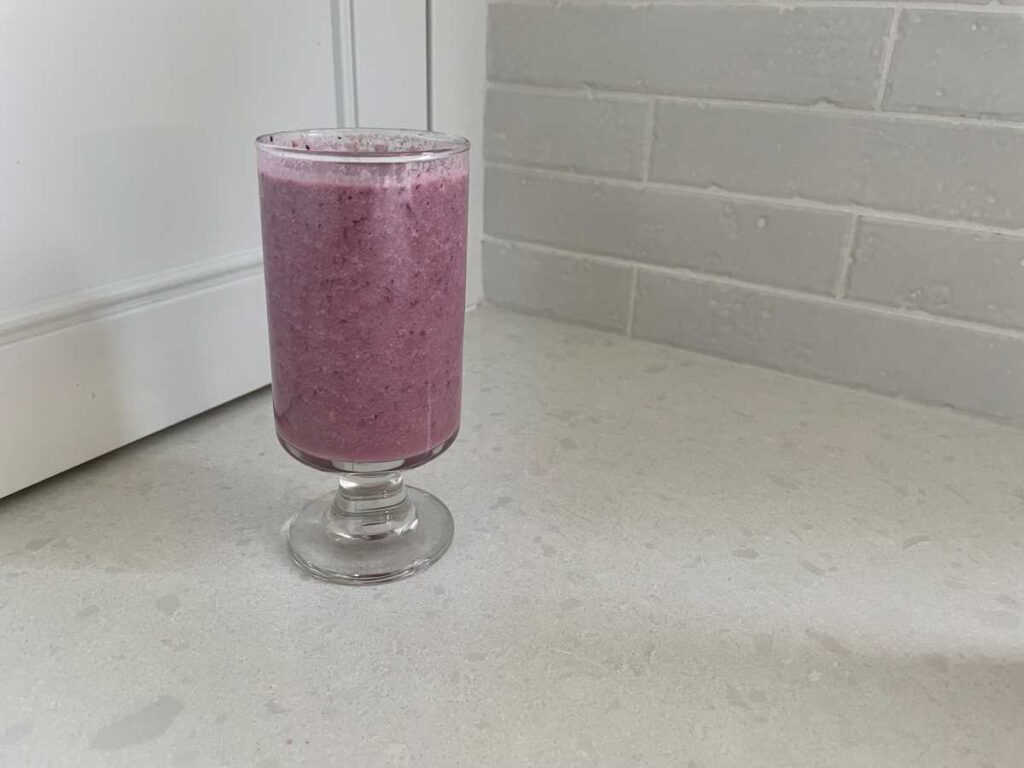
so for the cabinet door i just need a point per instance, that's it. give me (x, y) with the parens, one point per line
(131, 291)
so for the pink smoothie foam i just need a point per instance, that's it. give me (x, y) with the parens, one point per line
(365, 268)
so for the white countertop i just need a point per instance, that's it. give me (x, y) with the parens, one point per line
(660, 559)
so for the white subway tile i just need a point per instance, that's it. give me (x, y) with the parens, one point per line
(916, 165)
(914, 357)
(776, 245)
(959, 64)
(596, 135)
(556, 285)
(800, 55)
(971, 275)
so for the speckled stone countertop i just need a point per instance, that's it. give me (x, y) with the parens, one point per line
(661, 559)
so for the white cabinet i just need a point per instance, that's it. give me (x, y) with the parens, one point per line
(131, 290)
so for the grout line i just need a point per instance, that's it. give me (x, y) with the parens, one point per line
(916, 5)
(773, 290)
(648, 139)
(752, 197)
(818, 108)
(586, 93)
(632, 300)
(890, 46)
(846, 258)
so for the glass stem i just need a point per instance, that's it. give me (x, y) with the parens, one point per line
(371, 507)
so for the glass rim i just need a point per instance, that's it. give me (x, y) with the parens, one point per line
(436, 145)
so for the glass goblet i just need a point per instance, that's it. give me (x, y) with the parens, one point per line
(364, 248)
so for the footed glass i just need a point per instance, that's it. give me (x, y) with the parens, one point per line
(364, 247)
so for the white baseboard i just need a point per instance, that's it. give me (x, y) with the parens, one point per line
(81, 377)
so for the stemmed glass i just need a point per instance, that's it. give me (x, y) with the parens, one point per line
(364, 248)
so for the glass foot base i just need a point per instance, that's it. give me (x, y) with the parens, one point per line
(370, 547)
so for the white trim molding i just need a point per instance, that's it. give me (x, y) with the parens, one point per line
(343, 39)
(458, 63)
(36, 319)
(86, 375)
(388, 41)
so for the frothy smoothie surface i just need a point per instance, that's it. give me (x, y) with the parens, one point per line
(365, 277)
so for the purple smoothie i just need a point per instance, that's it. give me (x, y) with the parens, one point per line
(365, 268)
